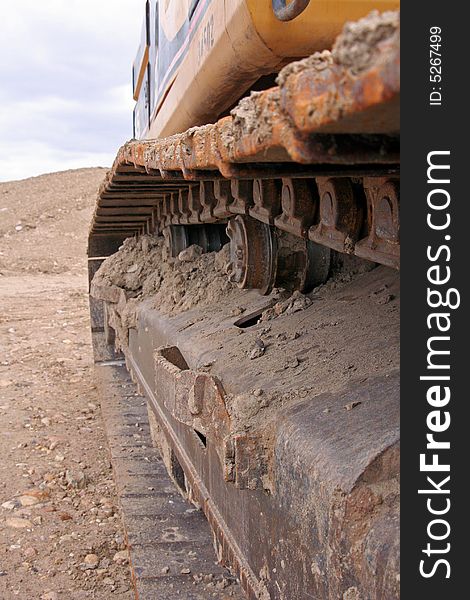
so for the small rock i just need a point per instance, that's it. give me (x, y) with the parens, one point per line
(185, 571)
(91, 561)
(75, 479)
(385, 299)
(46, 421)
(108, 581)
(298, 302)
(165, 570)
(50, 596)
(222, 584)
(352, 405)
(37, 520)
(145, 244)
(293, 363)
(259, 349)
(256, 353)
(121, 557)
(107, 511)
(65, 538)
(351, 593)
(28, 500)
(10, 504)
(260, 344)
(18, 523)
(64, 516)
(39, 494)
(190, 254)
(30, 552)
(258, 392)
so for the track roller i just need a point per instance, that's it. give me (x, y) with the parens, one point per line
(253, 251)
(263, 258)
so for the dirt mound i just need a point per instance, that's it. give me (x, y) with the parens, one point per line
(44, 221)
(143, 270)
(132, 264)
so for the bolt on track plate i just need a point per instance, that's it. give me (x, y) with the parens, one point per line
(169, 541)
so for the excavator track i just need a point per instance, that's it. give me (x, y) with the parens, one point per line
(317, 156)
(276, 414)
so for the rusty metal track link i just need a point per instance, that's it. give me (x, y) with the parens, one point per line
(358, 216)
(316, 156)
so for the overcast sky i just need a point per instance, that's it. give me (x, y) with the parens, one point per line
(65, 83)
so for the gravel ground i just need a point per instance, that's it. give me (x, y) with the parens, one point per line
(60, 529)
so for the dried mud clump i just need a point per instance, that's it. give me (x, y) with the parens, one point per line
(355, 48)
(193, 279)
(141, 270)
(294, 303)
(319, 61)
(357, 45)
(250, 116)
(134, 262)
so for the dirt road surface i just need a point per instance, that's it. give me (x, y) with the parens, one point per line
(60, 530)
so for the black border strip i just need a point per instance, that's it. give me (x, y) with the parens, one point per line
(434, 128)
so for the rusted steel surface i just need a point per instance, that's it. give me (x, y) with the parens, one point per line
(314, 482)
(170, 438)
(170, 543)
(318, 120)
(193, 397)
(383, 241)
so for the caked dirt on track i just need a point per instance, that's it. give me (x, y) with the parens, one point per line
(60, 530)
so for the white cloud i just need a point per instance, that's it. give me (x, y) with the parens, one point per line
(36, 158)
(65, 94)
